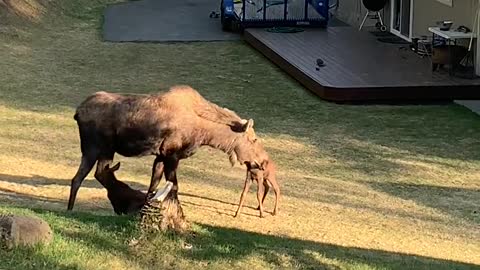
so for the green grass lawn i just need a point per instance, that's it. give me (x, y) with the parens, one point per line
(364, 187)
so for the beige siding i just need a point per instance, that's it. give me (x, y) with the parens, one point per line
(349, 11)
(427, 12)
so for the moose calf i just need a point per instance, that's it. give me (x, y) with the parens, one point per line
(123, 198)
(265, 179)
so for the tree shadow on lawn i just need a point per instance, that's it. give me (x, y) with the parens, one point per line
(98, 232)
(41, 181)
(460, 203)
(24, 199)
(211, 244)
(229, 243)
(30, 259)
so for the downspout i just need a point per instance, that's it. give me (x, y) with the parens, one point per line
(476, 26)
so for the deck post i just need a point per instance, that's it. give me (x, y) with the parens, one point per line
(306, 10)
(243, 10)
(264, 10)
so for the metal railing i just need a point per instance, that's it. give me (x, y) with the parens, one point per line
(314, 12)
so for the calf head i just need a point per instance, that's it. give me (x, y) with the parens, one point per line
(123, 198)
(107, 176)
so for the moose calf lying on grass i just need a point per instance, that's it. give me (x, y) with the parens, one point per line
(265, 179)
(123, 198)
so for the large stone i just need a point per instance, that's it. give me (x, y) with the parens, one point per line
(23, 231)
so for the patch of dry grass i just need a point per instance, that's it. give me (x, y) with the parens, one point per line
(365, 187)
(28, 9)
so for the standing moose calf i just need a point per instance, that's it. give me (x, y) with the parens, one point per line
(170, 125)
(265, 179)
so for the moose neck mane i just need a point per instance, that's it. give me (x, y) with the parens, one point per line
(221, 137)
(218, 127)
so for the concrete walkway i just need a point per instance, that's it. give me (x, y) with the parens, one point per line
(164, 21)
(473, 105)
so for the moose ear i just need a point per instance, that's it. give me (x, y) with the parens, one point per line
(248, 124)
(243, 125)
(264, 165)
(116, 167)
(254, 165)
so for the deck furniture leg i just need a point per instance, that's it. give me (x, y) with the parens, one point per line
(434, 67)
(380, 17)
(364, 20)
(450, 53)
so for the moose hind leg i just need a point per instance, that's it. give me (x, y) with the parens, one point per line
(86, 165)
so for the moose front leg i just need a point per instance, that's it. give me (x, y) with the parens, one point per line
(171, 165)
(157, 172)
(164, 210)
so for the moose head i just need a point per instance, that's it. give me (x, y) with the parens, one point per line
(247, 149)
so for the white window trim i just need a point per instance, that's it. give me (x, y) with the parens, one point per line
(396, 32)
(446, 2)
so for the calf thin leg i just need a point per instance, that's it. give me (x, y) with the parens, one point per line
(267, 188)
(276, 189)
(86, 165)
(260, 193)
(246, 187)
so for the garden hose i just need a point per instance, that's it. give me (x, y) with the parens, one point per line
(285, 30)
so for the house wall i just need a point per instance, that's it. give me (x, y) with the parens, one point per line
(427, 12)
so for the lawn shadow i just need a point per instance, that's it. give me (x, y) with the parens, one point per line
(231, 244)
(205, 198)
(96, 231)
(23, 198)
(459, 203)
(41, 181)
(36, 261)
(219, 244)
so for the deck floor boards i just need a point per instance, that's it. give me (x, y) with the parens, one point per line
(358, 67)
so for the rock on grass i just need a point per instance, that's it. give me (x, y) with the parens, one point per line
(23, 231)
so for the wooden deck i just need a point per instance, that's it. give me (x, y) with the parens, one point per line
(358, 67)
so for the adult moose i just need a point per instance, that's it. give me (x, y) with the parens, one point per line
(170, 125)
